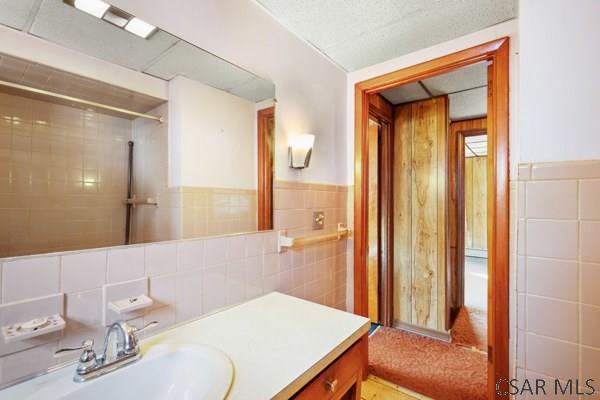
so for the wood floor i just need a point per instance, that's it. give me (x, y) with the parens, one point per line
(375, 388)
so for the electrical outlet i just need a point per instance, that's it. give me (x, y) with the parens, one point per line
(318, 220)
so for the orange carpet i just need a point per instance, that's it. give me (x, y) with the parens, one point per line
(431, 367)
(470, 328)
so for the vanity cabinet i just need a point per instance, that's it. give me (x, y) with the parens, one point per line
(340, 380)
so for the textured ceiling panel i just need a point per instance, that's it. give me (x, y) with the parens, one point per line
(194, 63)
(16, 13)
(255, 90)
(405, 93)
(468, 77)
(69, 27)
(468, 104)
(357, 33)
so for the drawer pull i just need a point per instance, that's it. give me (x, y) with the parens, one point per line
(331, 384)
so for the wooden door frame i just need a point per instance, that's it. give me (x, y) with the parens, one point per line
(384, 114)
(459, 136)
(497, 53)
(265, 168)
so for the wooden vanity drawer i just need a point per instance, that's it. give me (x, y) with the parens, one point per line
(340, 380)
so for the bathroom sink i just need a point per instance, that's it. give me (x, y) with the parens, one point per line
(165, 372)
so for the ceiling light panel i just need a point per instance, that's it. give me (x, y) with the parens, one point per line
(476, 139)
(115, 19)
(97, 8)
(64, 25)
(140, 28)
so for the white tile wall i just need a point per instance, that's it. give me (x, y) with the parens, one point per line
(186, 279)
(558, 277)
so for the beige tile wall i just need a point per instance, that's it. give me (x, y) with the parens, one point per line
(62, 177)
(188, 278)
(325, 271)
(295, 202)
(217, 211)
(558, 270)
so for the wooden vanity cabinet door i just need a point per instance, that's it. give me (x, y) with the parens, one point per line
(341, 380)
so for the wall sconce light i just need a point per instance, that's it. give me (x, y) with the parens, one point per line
(299, 151)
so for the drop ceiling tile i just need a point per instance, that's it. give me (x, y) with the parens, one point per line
(468, 104)
(331, 22)
(405, 93)
(69, 27)
(476, 139)
(356, 34)
(468, 77)
(255, 90)
(16, 13)
(194, 63)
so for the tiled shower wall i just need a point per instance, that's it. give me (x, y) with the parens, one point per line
(151, 171)
(558, 270)
(62, 177)
(188, 278)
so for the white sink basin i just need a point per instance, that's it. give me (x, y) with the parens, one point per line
(165, 372)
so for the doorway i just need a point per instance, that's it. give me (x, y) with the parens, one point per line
(443, 274)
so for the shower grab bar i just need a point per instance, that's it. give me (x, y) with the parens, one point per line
(284, 241)
(80, 101)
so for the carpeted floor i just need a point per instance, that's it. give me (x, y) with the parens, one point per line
(470, 328)
(436, 369)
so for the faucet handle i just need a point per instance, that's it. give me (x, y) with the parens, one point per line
(87, 345)
(149, 325)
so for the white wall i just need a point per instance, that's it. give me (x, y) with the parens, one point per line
(310, 90)
(212, 137)
(29, 47)
(560, 80)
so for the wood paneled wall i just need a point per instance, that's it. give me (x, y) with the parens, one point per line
(420, 132)
(476, 203)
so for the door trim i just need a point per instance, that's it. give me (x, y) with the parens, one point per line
(382, 111)
(265, 168)
(457, 133)
(497, 53)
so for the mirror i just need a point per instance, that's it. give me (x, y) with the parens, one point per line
(87, 164)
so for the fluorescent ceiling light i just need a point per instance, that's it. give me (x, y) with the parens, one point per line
(97, 8)
(139, 27)
(115, 19)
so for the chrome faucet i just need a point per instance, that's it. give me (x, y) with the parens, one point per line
(127, 351)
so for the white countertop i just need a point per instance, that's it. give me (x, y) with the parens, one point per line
(276, 342)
